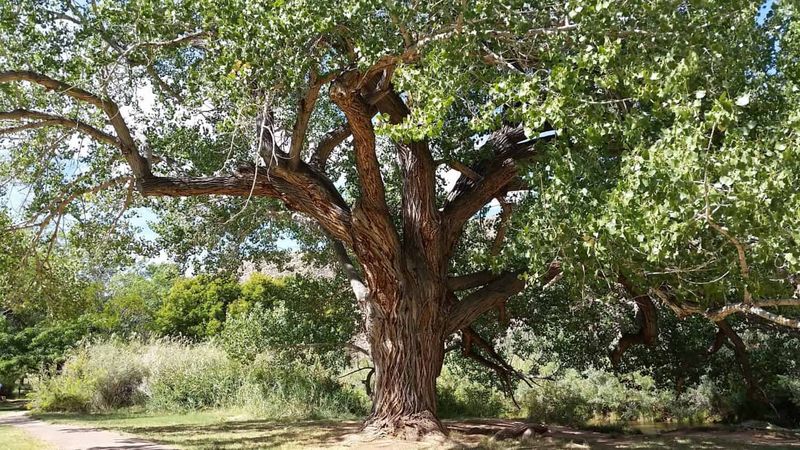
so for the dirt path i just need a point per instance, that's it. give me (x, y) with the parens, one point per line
(71, 437)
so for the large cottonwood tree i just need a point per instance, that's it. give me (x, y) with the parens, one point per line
(349, 113)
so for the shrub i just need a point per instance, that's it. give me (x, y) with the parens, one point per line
(96, 377)
(177, 375)
(575, 398)
(282, 387)
(184, 376)
(559, 401)
(461, 397)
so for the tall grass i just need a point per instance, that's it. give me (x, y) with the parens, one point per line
(172, 375)
(577, 398)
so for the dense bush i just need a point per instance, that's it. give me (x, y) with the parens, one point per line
(174, 375)
(460, 397)
(575, 398)
(185, 376)
(94, 378)
(281, 387)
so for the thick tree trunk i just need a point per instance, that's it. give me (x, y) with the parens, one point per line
(407, 343)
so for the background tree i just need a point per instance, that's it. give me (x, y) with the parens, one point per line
(345, 116)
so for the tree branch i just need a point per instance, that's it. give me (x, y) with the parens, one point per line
(489, 296)
(46, 120)
(470, 281)
(505, 216)
(138, 164)
(334, 137)
(301, 190)
(356, 283)
(715, 315)
(744, 269)
(421, 219)
(757, 309)
(497, 363)
(304, 111)
(509, 146)
(646, 320)
(375, 239)
(754, 391)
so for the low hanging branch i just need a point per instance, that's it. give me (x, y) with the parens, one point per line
(493, 361)
(755, 308)
(647, 321)
(754, 391)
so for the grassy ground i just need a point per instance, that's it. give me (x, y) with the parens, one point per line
(215, 429)
(232, 430)
(12, 438)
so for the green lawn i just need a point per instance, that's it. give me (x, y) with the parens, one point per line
(12, 438)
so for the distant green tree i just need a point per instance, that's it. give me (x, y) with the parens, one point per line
(291, 314)
(196, 307)
(136, 296)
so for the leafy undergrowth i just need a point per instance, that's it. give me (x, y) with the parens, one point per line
(216, 429)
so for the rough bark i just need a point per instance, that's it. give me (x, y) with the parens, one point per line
(407, 343)
(403, 286)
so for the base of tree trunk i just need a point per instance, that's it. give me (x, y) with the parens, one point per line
(413, 427)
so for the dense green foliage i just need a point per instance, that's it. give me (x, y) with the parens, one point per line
(671, 170)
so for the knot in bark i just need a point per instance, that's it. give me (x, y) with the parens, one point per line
(344, 88)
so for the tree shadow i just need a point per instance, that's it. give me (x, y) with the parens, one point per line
(247, 433)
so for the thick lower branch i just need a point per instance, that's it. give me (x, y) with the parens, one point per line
(470, 281)
(298, 192)
(489, 296)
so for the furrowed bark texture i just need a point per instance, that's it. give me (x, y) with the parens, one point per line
(407, 343)
(401, 278)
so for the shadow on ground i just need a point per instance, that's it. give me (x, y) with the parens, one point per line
(238, 433)
(12, 405)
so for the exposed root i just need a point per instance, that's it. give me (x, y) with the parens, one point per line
(413, 427)
(521, 431)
